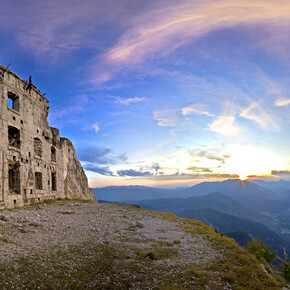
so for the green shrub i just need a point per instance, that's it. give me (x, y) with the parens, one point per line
(286, 270)
(261, 250)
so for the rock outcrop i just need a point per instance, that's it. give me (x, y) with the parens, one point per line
(36, 164)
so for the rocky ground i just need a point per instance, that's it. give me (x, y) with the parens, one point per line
(71, 244)
(63, 224)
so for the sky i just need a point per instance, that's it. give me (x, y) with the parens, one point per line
(160, 93)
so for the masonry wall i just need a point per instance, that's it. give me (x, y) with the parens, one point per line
(35, 163)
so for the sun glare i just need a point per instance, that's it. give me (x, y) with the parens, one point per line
(247, 160)
(243, 177)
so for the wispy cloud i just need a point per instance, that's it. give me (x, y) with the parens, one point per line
(56, 28)
(132, 172)
(175, 25)
(209, 154)
(225, 125)
(100, 155)
(195, 110)
(199, 169)
(128, 101)
(260, 116)
(195, 176)
(282, 102)
(281, 173)
(166, 118)
(103, 170)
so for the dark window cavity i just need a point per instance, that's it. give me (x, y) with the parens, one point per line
(14, 137)
(38, 180)
(14, 178)
(38, 147)
(53, 154)
(53, 181)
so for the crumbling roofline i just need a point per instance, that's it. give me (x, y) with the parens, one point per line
(25, 83)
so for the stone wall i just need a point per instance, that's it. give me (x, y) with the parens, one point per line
(35, 163)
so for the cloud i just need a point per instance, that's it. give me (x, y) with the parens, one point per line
(281, 173)
(57, 27)
(195, 110)
(196, 153)
(194, 176)
(199, 169)
(95, 155)
(166, 118)
(128, 101)
(96, 128)
(168, 27)
(282, 102)
(257, 114)
(132, 172)
(224, 125)
(99, 155)
(156, 167)
(103, 170)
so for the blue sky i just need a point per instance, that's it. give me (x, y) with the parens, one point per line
(160, 92)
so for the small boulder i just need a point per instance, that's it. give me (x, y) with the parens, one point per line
(139, 225)
(4, 218)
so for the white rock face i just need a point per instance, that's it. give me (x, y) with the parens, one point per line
(35, 163)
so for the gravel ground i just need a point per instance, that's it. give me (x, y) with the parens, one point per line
(38, 228)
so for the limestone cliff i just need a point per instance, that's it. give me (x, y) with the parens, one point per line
(75, 180)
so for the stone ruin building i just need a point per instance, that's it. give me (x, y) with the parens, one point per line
(36, 164)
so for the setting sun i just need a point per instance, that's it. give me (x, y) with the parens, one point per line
(248, 160)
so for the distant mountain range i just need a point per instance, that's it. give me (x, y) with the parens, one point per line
(242, 209)
(247, 193)
(279, 186)
(216, 201)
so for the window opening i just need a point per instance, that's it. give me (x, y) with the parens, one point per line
(14, 178)
(53, 181)
(38, 147)
(13, 102)
(14, 137)
(38, 180)
(53, 154)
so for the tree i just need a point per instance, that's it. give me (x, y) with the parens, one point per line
(261, 250)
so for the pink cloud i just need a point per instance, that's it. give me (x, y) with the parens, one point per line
(172, 26)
